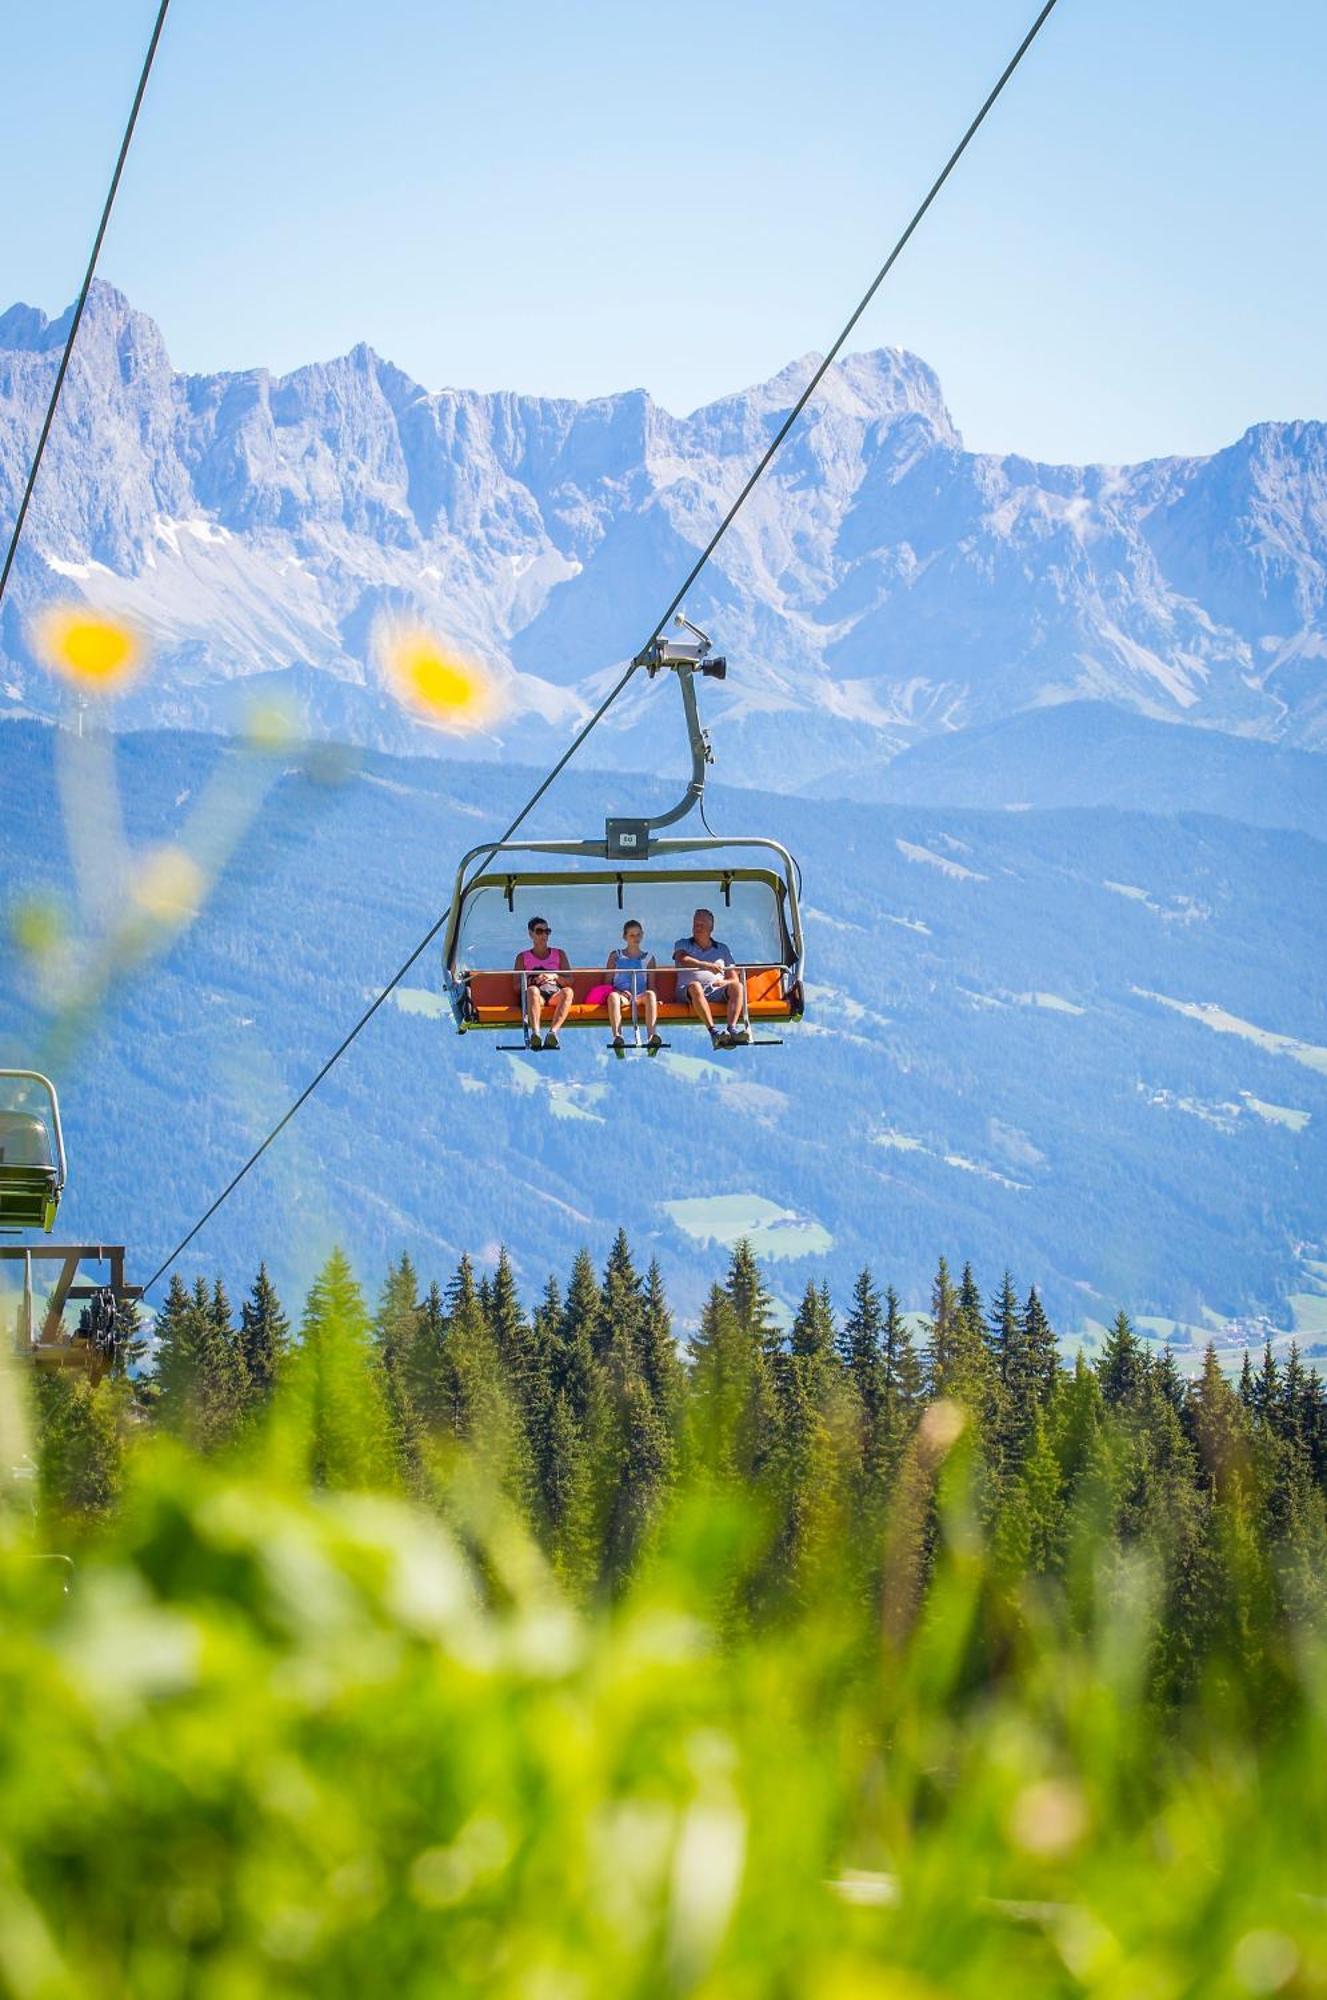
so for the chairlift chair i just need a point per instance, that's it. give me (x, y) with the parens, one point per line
(751, 883)
(32, 1151)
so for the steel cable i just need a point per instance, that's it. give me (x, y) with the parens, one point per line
(82, 300)
(641, 657)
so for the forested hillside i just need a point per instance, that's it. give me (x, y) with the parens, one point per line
(1087, 1043)
(482, 1642)
(588, 1414)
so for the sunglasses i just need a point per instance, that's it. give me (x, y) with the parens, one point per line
(539, 930)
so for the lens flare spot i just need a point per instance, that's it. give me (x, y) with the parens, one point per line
(169, 885)
(432, 678)
(269, 726)
(93, 651)
(37, 928)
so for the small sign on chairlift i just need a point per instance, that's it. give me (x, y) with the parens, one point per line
(627, 839)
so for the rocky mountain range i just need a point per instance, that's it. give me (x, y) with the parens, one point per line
(883, 586)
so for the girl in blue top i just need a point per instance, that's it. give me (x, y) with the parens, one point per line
(631, 968)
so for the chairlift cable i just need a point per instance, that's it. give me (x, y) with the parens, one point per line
(372, 1009)
(865, 300)
(82, 300)
(640, 658)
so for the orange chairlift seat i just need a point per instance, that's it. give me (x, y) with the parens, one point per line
(32, 1151)
(751, 885)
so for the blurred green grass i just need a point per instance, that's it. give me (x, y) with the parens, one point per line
(287, 1731)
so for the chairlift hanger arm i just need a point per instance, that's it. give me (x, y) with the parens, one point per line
(701, 754)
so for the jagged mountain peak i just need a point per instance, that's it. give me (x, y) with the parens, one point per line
(883, 584)
(875, 383)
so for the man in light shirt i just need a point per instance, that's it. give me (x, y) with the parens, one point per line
(707, 978)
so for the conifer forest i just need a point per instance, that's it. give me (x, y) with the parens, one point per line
(460, 1642)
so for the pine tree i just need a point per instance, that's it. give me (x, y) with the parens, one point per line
(131, 1342)
(544, 1322)
(173, 1363)
(903, 1374)
(958, 1364)
(1246, 1388)
(1292, 1407)
(425, 1368)
(264, 1337)
(1220, 1430)
(1168, 1382)
(884, 1374)
(395, 1330)
(1265, 1398)
(511, 1330)
(567, 1498)
(1078, 1420)
(812, 1341)
(1005, 1334)
(472, 1400)
(1120, 1369)
(661, 1363)
(861, 1344)
(1040, 1351)
(1028, 1537)
(336, 1409)
(572, 1365)
(80, 1454)
(630, 1438)
(638, 1467)
(970, 1313)
(733, 1405)
(820, 1440)
(943, 1344)
(619, 1326)
(750, 1301)
(197, 1367)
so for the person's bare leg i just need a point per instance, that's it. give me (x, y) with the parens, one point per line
(734, 1001)
(615, 1012)
(700, 1006)
(650, 1001)
(560, 1009)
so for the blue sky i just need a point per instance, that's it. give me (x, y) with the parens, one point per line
(585, 198)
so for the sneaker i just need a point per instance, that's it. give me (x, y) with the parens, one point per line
(619, 1047)
(726, 1040)
(740, 1036)
(551, 1041)
(535, 1043)
(653, 1046)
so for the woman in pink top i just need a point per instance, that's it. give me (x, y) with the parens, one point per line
(545, 985)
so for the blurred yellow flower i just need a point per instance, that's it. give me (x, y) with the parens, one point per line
(169, 885)
(270, 726)
(428, 675)
(37, 927)
(99, 654)
(1048, 1818)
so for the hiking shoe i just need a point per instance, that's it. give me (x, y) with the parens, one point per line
(535, 1043)
(551, 1041)
(726, 1040)
(653, 1046)
(619, 1047)
(740, 1036)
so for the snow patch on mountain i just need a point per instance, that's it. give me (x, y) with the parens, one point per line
(882, 585)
